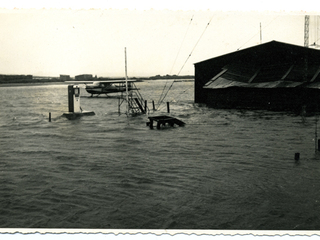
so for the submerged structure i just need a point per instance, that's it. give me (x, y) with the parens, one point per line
(163, 120)
(274, 76)
(74, 107)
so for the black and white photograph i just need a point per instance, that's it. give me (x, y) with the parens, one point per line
(186, 120)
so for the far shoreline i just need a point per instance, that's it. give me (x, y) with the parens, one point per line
(21, 84)
(37, 83)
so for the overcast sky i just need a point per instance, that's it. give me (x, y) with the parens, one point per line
(49, 42)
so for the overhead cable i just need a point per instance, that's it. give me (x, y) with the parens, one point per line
(175, 59)
(185, 61)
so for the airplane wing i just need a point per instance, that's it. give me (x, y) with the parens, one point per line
(101, 81)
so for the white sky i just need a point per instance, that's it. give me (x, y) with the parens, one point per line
(159, 37)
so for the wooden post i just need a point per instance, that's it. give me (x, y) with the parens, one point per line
(168, 107)
(153, 107)
(49, 116)
(151, 124)
(297, 156)
(318, 144)
(145, 105)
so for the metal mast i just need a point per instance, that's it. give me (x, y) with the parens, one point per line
(306, 30)
(260, 34)
(127, 93)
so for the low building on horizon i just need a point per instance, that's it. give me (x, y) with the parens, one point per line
(83, 77)
(64, 77)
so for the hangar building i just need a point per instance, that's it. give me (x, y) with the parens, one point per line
(273, 76)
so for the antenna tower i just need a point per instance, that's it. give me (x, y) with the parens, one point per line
(260, 34)
(306, 30)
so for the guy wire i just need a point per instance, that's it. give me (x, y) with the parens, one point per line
(175, 58)
(161, 100)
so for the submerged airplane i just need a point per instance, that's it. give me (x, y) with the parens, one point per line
(106, 86)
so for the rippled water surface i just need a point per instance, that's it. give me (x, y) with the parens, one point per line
(226, 169)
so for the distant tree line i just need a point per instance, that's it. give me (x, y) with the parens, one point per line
(4, 78)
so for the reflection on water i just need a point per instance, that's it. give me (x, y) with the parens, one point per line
(226, 169)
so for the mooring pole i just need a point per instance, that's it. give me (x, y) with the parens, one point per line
(153, 107)
(168, 107)
(49, 116)
(297, 156)
(145, 105)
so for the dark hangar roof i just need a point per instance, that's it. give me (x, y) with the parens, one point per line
(274, 50)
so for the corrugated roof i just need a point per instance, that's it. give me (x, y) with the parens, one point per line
(224, 83)
(274, 65)
(314, 85)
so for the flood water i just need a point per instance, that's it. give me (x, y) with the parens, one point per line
(225, 169)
